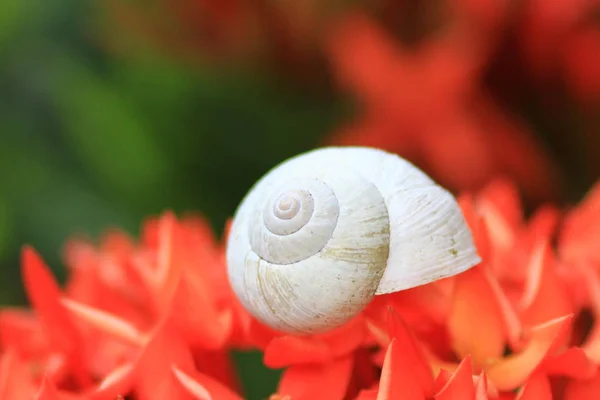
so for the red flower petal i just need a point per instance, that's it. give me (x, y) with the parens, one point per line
(411, 351)
(460, 385)
(260, 335)
(573, 363)
(364, 374)
(579, 230)
(363, 56)
(442, 379)
(15, 382)
(44, 294)
(466, 168)
(184, 293)
(544, 296)
(47, 391)
(512, 371)
(499, 203)
(152, 371)
(397, 377)
(404, 364)
(119, 381)
(503, 195)
(105, 322)
(483, 390)
(368, 394)
(477, 225)
(203, 387)
(345, 339)
(218, 365)
(543, 224)
(21, 330)
(473, 302)
(591, 282)
(581, 60)
(291, 350)
(194, 312)
(536, 388)
(327, 381)
(583, 390)
(514, 330)
(169, 268)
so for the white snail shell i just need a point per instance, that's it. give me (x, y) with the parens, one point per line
(322, 233)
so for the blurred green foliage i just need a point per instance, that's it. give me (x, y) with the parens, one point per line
(89, 140)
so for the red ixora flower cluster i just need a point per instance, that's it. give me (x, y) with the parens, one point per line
(433, 103)
(157, 319)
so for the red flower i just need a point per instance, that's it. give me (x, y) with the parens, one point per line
(131, 317)
(406, 372)
(559, 39)
(427, 105)
(520, 298)
(125, 323)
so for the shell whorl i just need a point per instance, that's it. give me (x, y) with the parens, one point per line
(322, 233)
(289, 212)
(296, 222)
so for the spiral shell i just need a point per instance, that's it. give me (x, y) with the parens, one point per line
(322, 233)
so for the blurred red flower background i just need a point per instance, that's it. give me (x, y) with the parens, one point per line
(443, 84)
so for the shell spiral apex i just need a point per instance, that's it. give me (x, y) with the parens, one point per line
(323, 232)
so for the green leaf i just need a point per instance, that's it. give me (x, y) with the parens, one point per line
(108, 136)
(6, 224)
(258, 381)
(12, 13)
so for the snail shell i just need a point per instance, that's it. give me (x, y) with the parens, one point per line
(322, 233)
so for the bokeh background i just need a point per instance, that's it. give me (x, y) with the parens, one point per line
(115, 110)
